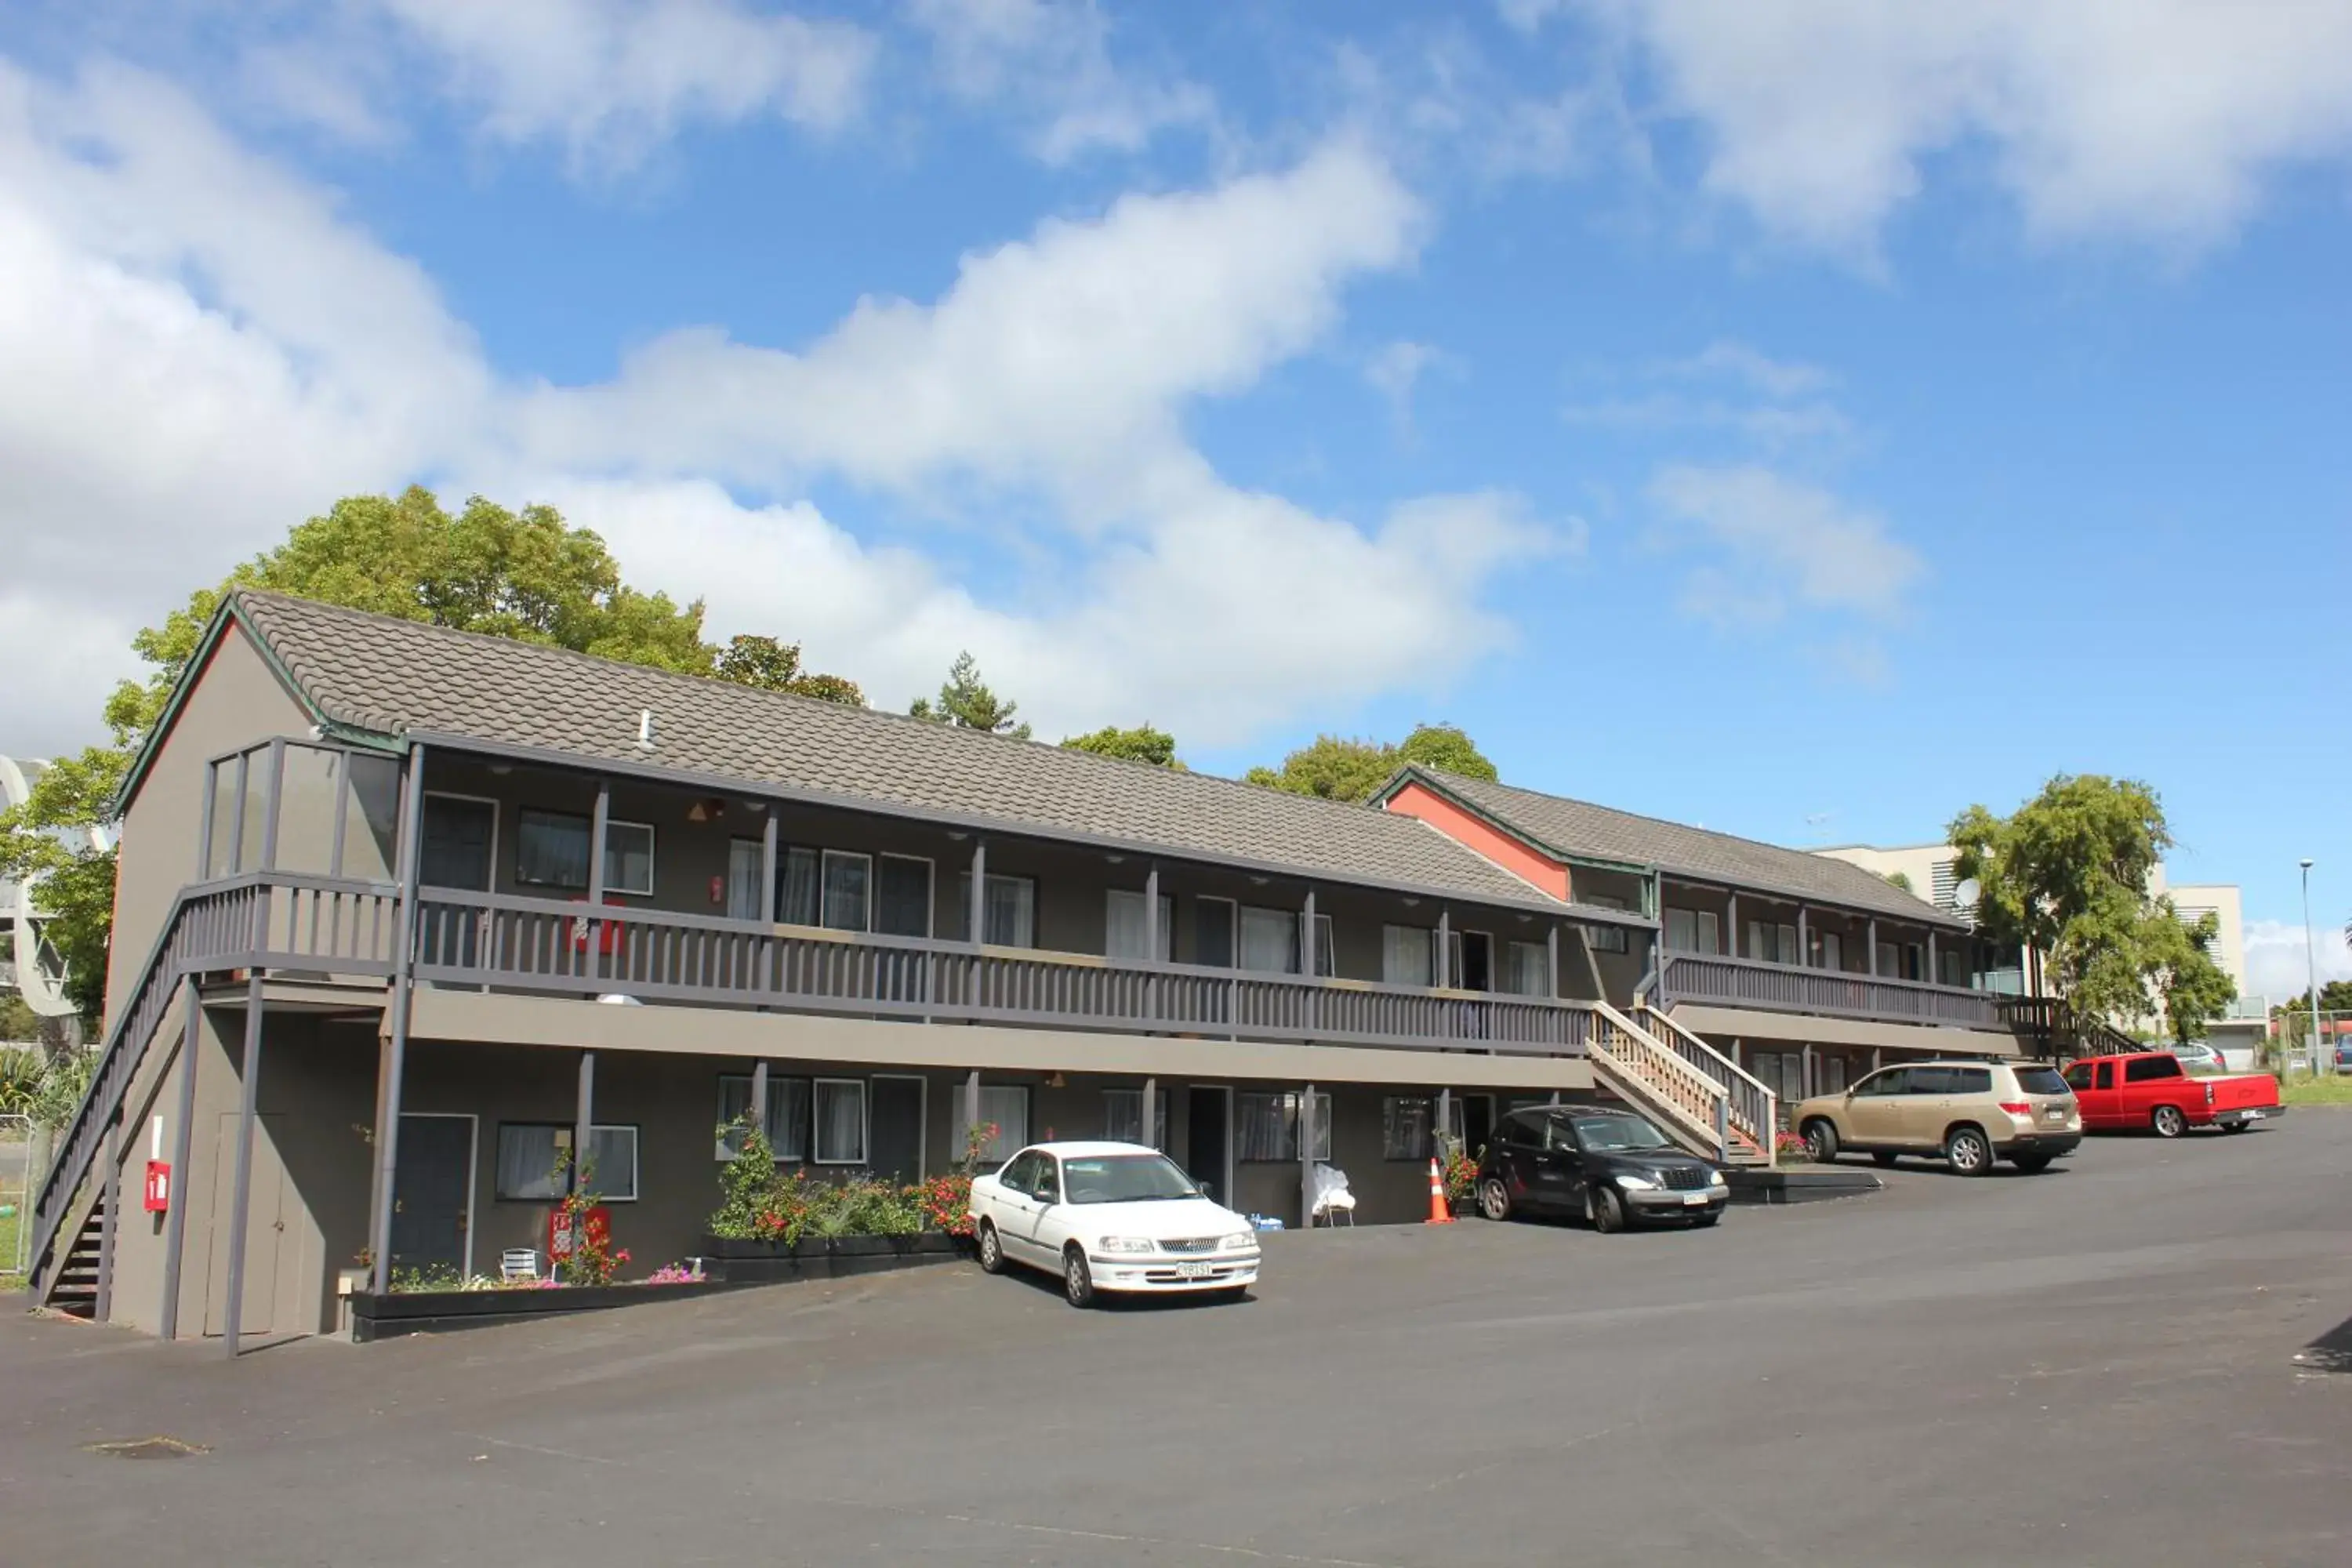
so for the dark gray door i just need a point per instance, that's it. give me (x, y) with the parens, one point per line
(429, 1192)
(1204, 1141)
(455, 851)
(895, 1130)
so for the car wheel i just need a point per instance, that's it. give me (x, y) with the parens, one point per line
(1078, 1281)
(1608, 1210)
(2031, 1165)
(1967, 1152)
(1232, 1297)
(1707, 1221)
(1821, 1142)
(1494, 1199)
(2169, 1121)
(1883, 1158)
(2237, 1126)
(992, 1250)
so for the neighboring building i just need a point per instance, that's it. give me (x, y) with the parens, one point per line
(377, 877)
(28, 963)
(1806, 971)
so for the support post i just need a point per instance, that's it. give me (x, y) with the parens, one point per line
(1151, 941)
(1443, 966)
(114, 1187)
(176, 1219)
(1150, 1125)
(1443, 1137)
(269, 811)
(600, 823)
(1551, 962)
(1873, 946)
(241, 1201)
(1731, 918)
(979, 910)
(760, 1096)
(1804, 941)
(584, 1119)
(395, 1049)
(971, 1108)
(1307, 1159)
(1808, 1078)
(1308, 968)
(1933, 975)
(768, 868)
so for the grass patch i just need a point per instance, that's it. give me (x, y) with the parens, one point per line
(2328, 1089)
(10, 1226)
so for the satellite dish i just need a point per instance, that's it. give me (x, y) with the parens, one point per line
(1966, 893)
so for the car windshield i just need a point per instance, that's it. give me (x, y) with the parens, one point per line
(1124, 1179)
(1619, 1132)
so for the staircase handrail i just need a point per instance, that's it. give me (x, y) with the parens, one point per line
(1762, 1103)
(1703, 1106)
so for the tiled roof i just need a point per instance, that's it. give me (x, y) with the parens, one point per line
(400, 679)
(1578, 827)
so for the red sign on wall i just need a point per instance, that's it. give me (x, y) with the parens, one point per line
(158, 1192)
(559, 1231)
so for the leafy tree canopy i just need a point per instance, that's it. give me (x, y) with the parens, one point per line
(523, 574)
(2068, 873)
(1336, 768)
(966, 702)
(1142, 744)
(1903, 880)
(773, 666)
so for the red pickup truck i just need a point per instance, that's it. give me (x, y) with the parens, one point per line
(2121, 1094)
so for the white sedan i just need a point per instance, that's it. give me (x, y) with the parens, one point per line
(1110, 1216)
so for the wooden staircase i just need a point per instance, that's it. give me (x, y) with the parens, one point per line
(71, 1288)
(1698, 1096)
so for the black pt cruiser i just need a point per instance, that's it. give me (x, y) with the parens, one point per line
(1608, 1164)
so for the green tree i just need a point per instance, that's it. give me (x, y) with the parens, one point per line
(1336, 768)
(523, 574)
(1903, 880)
(966, 702)
(1142, 744)
(2191, 986)
(18, 1021)
(773, 666)
(2068, 873)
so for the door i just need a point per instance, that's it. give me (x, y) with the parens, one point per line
(1559, 1167)
(1475, 961)
(1477, 1113)
(1026, 1183)
(1208, 1113)
(431, 1192)
(1927, 1108)
(1518, 1153)
(894, 1128)
(458, 849)
(1874, 1113)
(273, 1248)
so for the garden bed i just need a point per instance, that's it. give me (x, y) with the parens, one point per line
(405, 1312)
(750, 1262)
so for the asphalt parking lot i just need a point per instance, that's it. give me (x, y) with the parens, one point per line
(2089, 1366)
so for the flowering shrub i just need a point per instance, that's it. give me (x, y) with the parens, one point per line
(758, 1203)
(1790, 1146)
(593, 1259)
(676, 1274)
(1461, 1174)
(946, 1202)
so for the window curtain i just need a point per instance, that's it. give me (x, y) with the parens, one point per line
(840, 1122)
(1123, 935)
(743, 878)
(1325, 954)
(1266, 1127)
(552, 849)
(902, 895)
(1123, 1117)
(787, 1121)
(796, 893)
(1404, 1128)
(1407, 955)
(527, 1156)
(1270, 942)
(1212, 932)
(847, 882)
(612, 1162)
(1012, 912)
(1710, 931)
(1527, 966)
(1682, 931)
(629, 858)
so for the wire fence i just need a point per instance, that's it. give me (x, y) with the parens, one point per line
(17, 1177)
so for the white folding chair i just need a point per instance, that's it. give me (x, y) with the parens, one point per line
(1333, 1201)
(518, 1263)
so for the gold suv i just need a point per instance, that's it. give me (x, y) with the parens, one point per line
(1970, 1114)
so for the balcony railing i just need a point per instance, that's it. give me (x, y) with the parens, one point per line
(1777, 988)
(507, 942)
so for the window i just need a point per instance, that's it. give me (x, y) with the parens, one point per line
(2107, 1075)
(1521, 1131)
(1123, 922)
(1405, 1128)
(1833, 1073)
(1529, 970)
(1008, 917)
(529, 1152)
(1325, 963)
(1212, 932)
(2041, 1081)
(1893, 1080)
(1021, 1174)
(1007, 1106)
(840, 1122)
(1953, 964)
(1605, 938)
(2077, 1077)
(1933, 1080)
(1710, 931)
(797, 890)
(1971, 1081)
(1829, 950)
(1408, 955)
(902, 895)
(2148, 1069)
(551, 851)
(1270, 942)
(1267, 1127)
(1123, 1117)
(1914, 962)
(743, 878)
(786, 1123)
(848, 881)
(1682, 931)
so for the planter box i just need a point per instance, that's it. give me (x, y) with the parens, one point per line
(826, 1258)
(438, 1311)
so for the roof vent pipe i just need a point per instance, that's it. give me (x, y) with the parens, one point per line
(645, 729)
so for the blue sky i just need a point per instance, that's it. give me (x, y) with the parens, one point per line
(1800, 418)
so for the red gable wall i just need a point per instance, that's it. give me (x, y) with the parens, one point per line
(1417, 799)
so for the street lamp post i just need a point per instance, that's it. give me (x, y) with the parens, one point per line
(2311, 961)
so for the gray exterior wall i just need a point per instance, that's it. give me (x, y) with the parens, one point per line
(238, 701)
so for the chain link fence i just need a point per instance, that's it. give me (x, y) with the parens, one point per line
(18, 1151)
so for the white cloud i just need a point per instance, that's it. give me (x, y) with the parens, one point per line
(1783, 539)
(1048, 62)
(2277, 965)
(1726, 359)
(203, 349)
(1396, 370)
(2151, 118)
(1773, 403)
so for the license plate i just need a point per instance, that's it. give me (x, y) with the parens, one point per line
(1191, 1271)
(2053, 1116)
(1692, 1200)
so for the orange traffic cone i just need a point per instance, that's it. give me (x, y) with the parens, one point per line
(1440, 1211)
